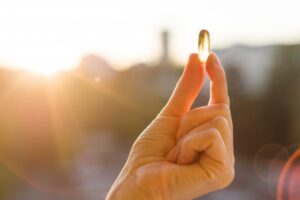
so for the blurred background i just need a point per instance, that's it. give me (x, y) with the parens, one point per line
(80, 80)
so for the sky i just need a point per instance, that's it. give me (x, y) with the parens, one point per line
(54, 35)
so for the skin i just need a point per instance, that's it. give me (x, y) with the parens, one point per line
(183, 153)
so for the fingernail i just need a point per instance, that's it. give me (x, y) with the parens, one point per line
(193, 57)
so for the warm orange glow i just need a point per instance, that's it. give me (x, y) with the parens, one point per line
(204, 45)
(44, 71)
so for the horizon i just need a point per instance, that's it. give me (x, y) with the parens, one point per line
(153, 62)
(62, 32)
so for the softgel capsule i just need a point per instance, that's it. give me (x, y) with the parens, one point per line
(203, 45)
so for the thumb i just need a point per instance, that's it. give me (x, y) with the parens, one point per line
(187, 88)
(218, 86)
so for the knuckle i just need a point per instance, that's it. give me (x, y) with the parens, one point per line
(220, 122)
(233, 160)
(186, 142)
(214, 133)
(227, 177)
(224, 108)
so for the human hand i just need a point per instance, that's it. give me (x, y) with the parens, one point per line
(183, 153)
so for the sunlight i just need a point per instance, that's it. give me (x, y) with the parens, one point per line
(44, 71)
(80, 27)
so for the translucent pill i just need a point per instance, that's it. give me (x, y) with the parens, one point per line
(203, 45)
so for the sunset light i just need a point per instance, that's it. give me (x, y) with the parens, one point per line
(43, 71)
(90, 89)
(56, 34)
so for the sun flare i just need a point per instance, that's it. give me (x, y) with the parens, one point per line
(43, 71)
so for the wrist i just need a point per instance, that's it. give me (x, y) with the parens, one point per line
(127, 189)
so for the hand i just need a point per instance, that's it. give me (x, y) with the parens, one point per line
(183, 153)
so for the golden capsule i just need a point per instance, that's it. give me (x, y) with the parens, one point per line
(203, 45)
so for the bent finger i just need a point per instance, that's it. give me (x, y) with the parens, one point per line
(202, 115)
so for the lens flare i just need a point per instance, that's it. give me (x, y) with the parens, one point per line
(289, 181)
(203, 45)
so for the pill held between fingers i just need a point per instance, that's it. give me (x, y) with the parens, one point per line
(203, 45)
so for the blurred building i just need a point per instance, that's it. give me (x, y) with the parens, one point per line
(165, 60)
(253, 63)
(96, 68)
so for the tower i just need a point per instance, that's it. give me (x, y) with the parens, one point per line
(165, 48)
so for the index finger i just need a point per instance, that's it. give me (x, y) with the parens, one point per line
(187, 88)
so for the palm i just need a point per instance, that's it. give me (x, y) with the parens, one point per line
(156, 141)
